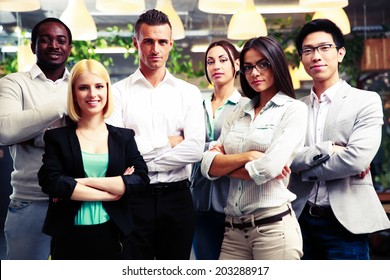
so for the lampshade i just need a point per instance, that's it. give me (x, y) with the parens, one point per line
(338, 16)
(26, 58)
(294, 76)
(120, 6)
(221, 6)
(19, 5)
(301, 73)
(246, 23)
(317, 5)
(177, 25)
(79, 21)
(7, 17)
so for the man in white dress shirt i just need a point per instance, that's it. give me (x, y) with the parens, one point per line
(167, 116)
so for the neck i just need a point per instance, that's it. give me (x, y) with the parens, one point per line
(52, 73)
(223, 92)
(319, 87)
(92, 124)
(154, 76)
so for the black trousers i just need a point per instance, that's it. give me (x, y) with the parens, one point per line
(164, 224)
(89, 242)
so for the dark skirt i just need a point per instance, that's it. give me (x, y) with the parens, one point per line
(89, 242)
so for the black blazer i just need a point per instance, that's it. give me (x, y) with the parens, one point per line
(62, 163)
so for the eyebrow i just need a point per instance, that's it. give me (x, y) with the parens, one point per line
(263, 59)
(321, 43)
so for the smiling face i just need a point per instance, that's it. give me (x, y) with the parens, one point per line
(90, 92)
(262, 81)
(52, 47)
(219, 66)
(322, 66)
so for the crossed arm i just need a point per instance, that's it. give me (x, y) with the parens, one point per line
(233, 165)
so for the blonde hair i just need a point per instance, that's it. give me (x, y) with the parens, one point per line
(94, 67)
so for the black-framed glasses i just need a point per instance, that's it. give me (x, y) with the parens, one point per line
(323, 48)
(261, 65)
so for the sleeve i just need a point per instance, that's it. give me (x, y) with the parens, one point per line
(139, 179)
(191, 148)
(18, 124)
(51, 175)
(115, 119)
(208, 156)
(311, 156)
(361, 147)
(290, 138)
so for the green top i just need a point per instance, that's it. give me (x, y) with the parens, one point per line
(93, 212)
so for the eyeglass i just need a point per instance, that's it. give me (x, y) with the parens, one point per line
(306, 51)
(260, 65)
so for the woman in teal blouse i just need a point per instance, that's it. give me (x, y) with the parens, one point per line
(90, 169)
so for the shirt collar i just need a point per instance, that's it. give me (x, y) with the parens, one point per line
(234, 98)
(279, 99)
(35, 72)
(327, 94)
(139, 77)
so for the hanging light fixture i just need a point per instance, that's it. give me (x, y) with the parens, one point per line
(220, 6)
(177, 25)
(338, 16)
(26, 58)
(301, 73)
(317, 5)
(19, 5)
(294, 77)
(120, 6)
(79, 21)
(247, 23)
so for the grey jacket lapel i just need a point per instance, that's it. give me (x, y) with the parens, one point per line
(335, 109)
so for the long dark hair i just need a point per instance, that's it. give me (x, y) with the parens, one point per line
(273, 52)
(231, 51)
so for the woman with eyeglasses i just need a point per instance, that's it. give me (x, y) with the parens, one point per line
(257, 144)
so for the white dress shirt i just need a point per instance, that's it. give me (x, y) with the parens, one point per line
(172, 108)
(318, 113)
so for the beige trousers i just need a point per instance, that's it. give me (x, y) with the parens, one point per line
(281, 240)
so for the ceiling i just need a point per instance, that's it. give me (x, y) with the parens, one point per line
(360, 13)
(202, 27)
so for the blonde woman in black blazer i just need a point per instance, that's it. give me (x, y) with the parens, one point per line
(90, 169)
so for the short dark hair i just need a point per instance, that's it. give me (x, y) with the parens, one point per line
(273, 52)
(151, 17)
(35, 30)
(231, 50)
(318, 25)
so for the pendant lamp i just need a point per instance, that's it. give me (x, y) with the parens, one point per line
(338, 16)
(120, 6)
(317, 5)
(301, 73)
(220, 6)
(79, 21)
(19, 5)
(177, 25)
(247, 23)
(26, 58)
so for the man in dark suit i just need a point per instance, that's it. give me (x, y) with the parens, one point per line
(336, 202)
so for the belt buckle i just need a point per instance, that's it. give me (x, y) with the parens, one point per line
(157, 190)
(311, 213)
